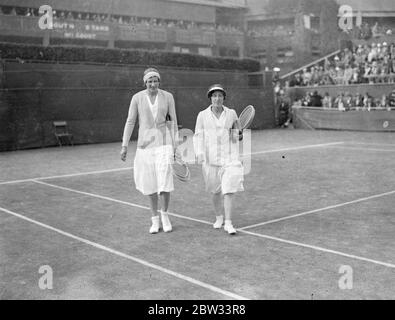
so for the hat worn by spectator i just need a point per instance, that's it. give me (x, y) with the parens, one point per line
(276, 69)
(215, 87)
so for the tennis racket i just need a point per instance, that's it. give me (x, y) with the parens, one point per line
(181, 171)
(246, 117)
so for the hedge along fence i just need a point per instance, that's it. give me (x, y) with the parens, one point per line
(123, 56)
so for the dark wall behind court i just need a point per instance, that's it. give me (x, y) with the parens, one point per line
(94, 100)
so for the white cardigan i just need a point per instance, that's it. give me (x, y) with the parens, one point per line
(152, 132)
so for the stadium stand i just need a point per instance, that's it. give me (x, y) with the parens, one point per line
(207, 28)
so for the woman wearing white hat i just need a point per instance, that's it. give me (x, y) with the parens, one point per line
(217, 133)
(155, 145)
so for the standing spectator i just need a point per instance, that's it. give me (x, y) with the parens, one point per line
(391, 99)
(284, 105)
(276, 75)
(348, 101)
(382, 103)
(358, 101)
(327, 101)
(316, 100)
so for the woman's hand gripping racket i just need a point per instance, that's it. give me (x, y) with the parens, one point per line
(180, 168)
(245, 120)
(246, 117)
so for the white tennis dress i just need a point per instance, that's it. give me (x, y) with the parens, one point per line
(222, 168)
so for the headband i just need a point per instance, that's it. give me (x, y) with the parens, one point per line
(151, 74)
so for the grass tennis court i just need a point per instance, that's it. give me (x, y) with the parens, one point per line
(315, 201)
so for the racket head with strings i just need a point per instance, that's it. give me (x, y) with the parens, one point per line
(247, 116)
(181, 171)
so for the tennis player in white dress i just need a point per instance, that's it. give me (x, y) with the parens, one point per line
(155, 146)
(216, 137)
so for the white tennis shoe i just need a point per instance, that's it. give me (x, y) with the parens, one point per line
(218, 222)
(229, 227)
(166, 222)
(155, 225)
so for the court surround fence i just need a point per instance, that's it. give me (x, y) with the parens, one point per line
(94, 100)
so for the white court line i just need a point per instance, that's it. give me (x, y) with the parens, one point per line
(123, 255)
(296, 148)
(319, 210)
(131, 204)
(363, 149)
(240, 230)
(66, 175)
(385, 264)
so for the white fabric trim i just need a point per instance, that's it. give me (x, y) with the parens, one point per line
(216, 88)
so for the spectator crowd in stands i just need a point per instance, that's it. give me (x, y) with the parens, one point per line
(345, 101)
(363, 64)
(271, 30)
(123, 20)
(366, 31)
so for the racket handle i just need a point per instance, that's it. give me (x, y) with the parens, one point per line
(240, 135)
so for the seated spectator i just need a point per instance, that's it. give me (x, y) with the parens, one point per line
(315, 78)
(297, 103)
(374, 72)
(355, 78)
(382, 78)
(339, 78)
(375, 30)
(296, 80)
(327, 101)
(382, 103)
(306, 77)
(339, 102)
(348, 74)
(372, 55)
(306, 101)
